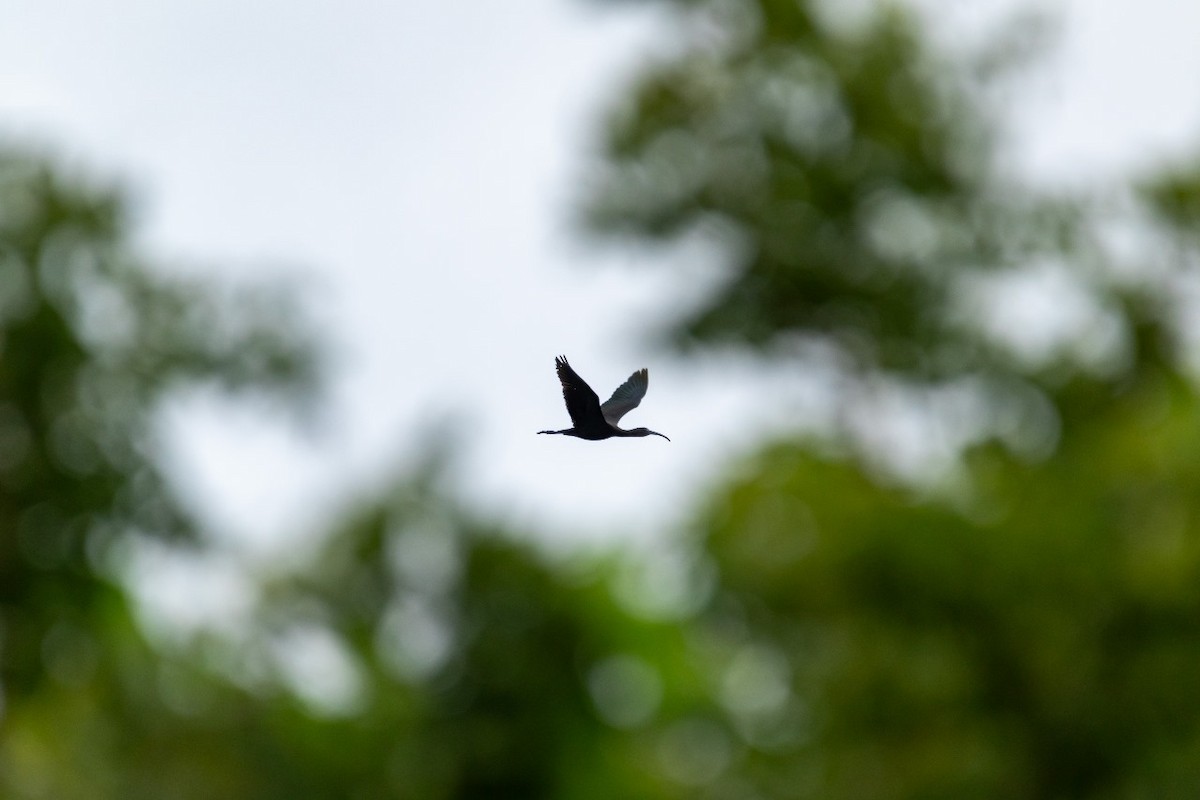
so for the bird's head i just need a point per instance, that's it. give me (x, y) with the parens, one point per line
(646, 432)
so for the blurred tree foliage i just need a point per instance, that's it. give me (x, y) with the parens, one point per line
(815, 632)
(852, 179)
(91, 342)
(1033, 633)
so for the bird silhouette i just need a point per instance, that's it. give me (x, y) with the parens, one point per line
(593, 420)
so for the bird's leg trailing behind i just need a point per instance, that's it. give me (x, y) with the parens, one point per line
(566, 432)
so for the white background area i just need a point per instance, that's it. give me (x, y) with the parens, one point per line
(417, 166)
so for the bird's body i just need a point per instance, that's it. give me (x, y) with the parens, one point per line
(593, 420)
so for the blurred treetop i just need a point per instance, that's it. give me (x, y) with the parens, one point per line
(91, 340)
(849, 175)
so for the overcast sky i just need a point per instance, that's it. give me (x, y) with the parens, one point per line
(415, 163)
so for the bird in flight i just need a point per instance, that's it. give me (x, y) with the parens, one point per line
(595, 420)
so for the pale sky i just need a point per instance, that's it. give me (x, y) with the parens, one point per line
(415, 165)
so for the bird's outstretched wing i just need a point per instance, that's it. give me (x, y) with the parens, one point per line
(582, 403)
(626, 397)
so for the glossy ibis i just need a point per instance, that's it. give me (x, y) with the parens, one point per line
(592, 419)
